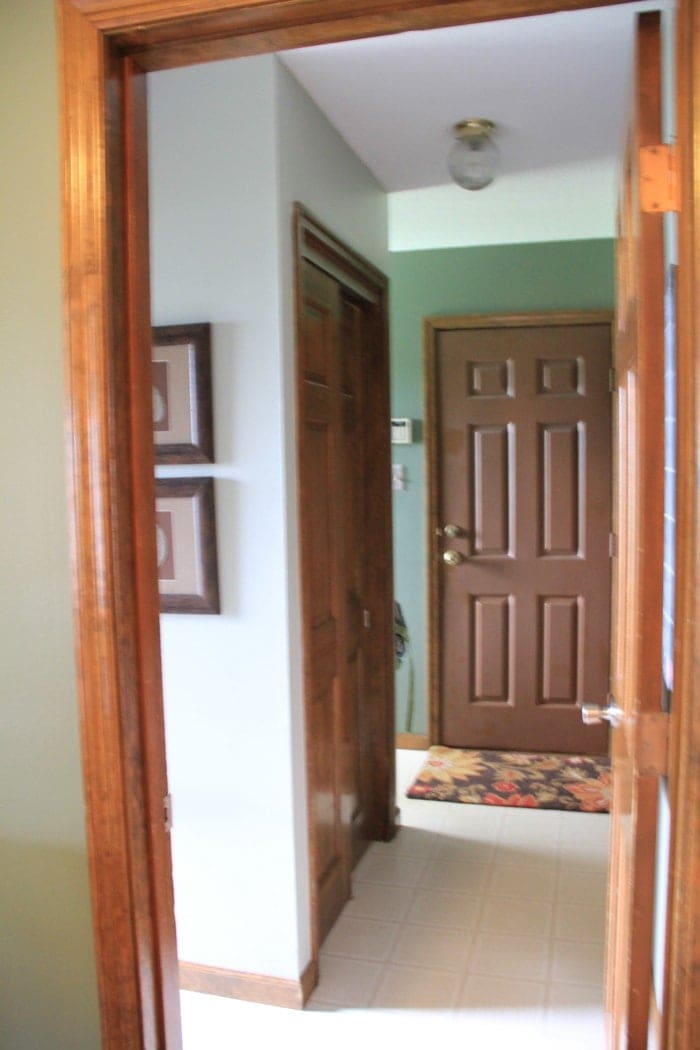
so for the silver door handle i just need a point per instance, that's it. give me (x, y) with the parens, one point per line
(453, 558)
(596, 714)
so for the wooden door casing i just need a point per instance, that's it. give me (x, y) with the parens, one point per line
(519, 435)
(96, 43)
(340, 358)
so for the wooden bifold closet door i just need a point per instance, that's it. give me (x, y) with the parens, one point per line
(339, 351)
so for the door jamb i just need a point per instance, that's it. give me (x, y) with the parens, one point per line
(116, 675)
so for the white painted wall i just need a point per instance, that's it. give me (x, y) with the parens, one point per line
(569, 202)
(318, 168)
(232, 145)
(226, 678)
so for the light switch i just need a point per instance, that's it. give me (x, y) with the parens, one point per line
(398, 477)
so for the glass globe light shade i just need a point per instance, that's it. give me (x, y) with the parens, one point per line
(473, 158)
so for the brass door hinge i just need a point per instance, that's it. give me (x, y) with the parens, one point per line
(167, 812)
(659, 184)
(651, 732)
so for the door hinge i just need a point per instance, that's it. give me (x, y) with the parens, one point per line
(651, 732)
(366, 619)
(659, 184)
(612, 380)
(612, 545)
(167, 812)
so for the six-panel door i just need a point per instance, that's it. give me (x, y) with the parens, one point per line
(524, 475)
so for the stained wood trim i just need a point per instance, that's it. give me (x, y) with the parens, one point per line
(93, 296)
(434, 590)
(329, 253)
(431, 327)
(308, 980)
(526, 320)
(205, 30)
(252, 987)
(412, 741)
(157, 892)
(681, 1013)
(111, 489)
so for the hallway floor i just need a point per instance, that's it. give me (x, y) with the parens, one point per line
(479, 925)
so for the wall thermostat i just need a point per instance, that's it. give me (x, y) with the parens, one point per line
(401, 431)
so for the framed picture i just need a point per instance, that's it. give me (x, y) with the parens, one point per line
(186, 545)
(182, 400)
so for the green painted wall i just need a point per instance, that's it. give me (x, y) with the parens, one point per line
(48, 995)
(573, 275)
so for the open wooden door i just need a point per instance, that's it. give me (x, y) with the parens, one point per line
(639, 725)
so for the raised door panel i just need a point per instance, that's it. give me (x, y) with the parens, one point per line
(562, 489)
(492, 490)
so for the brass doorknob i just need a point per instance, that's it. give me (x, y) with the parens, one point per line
(452, 557)
(452, 531)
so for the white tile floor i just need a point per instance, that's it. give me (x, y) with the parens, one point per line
(476, 924)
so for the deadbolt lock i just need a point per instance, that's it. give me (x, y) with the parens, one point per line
(452, 531)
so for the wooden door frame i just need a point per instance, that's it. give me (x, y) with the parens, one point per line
(104, 45)
(432, 326)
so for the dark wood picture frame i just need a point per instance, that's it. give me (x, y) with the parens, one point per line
(183, 429)
(192, 580)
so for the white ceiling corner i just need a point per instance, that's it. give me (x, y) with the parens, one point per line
(556, 85)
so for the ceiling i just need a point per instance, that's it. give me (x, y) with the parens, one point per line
(557, 86)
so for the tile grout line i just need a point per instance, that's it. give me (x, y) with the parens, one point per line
(407, 911)
(467, 969)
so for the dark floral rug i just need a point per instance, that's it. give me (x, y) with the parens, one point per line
(515, 778)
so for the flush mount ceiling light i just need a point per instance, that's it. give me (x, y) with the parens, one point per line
(474, 155)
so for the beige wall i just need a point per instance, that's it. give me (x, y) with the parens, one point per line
(47, 978)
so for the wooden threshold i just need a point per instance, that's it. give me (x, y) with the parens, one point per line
(412, 741)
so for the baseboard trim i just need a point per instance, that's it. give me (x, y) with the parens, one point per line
(253, 987)
(309, 980)
(412, 741)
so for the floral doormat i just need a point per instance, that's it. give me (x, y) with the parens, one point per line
(514, 778)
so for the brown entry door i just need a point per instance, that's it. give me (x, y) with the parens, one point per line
(522, 529)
